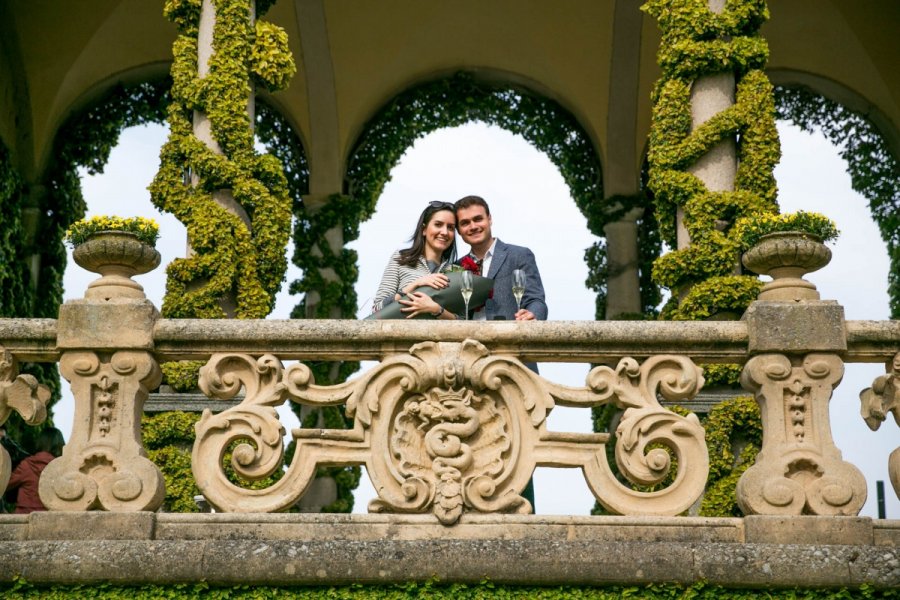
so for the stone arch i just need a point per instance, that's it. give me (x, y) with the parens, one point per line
(461, 98)
(496, 99)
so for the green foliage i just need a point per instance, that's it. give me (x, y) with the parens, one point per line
(697, 43)
(733, 424)
(230, 258)
(452, 102)
(168, 438)
(749, 230)
(145, 229)
(874, 170)
(21, 589)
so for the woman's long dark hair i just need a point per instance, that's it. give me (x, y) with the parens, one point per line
(409, 257)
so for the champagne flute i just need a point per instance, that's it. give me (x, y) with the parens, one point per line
(466, 289)
(518, 287)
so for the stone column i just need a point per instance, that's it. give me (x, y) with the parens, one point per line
(203, 126)
(623, 287)
(332, 246)
(717, 168)
(106, 340)
(323, 490)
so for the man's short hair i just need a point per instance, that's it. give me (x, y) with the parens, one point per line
(472, 201)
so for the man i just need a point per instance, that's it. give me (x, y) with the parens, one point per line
(498, 261)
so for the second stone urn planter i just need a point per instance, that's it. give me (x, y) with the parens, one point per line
(787, 256)
(117, 256)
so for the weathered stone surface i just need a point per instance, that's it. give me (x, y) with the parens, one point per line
(449, 428)
(91, 526)
(808, 530)
(774, 565)
(798, 470)
(324, 527)
(343, 549)
(115, 324)
(886, 533)
(795, 328)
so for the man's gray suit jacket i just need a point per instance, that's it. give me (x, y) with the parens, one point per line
(506, 259)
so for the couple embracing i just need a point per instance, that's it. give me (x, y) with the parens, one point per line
(432, 255)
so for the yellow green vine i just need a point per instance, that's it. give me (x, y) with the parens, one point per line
(229, 257)
(698, 43)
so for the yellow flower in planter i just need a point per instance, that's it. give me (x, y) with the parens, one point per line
(145, 229)
(748, 230)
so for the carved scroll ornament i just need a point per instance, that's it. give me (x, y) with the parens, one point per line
(799, 469)
(877, 402)
(448, 428)
(104, 465)
(20, 393)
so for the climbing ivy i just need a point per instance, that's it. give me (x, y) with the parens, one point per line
(873, 168)
(696, 43)
(452, 102)
(230, 257)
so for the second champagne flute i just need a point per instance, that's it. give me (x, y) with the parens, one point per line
(518, 286)
(466, 289)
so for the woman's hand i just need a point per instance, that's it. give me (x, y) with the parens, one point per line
(436, 280)
(417, 303)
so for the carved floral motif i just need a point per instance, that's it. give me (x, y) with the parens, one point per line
(877, 402)
(449, 428)
(799, 469)
(20, 393)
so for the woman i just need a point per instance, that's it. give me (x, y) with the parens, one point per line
(433, 250)
(27, 475)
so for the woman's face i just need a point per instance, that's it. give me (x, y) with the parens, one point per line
(440, 230)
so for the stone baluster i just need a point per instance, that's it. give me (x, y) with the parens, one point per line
(106, 340)
(794, 342)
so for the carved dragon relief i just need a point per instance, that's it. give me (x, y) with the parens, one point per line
(20, 393)
(877, 402)
(799, 470)
(449, 428)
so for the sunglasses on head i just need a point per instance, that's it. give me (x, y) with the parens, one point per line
(437, 204)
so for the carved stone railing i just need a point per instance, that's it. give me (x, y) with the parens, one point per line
(450, 420)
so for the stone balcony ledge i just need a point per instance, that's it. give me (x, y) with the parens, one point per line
(304, 549)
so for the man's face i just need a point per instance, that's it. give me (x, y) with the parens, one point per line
(474, 224)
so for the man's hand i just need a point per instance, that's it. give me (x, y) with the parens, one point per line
(524, 314)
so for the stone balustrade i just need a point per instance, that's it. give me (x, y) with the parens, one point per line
(450, 424)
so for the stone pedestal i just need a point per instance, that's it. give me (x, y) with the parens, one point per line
(106, 341)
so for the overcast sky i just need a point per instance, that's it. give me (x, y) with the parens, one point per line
(531, 206)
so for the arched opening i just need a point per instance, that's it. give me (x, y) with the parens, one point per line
(531, 205)
(535, 166)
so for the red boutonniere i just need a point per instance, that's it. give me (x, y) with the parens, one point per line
(469, 264)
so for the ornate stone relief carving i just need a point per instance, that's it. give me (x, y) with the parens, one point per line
(878, 401)
(20, 393)
(449, 428)
(799, 469)
(104, 465)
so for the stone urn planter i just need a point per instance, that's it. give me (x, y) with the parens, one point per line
(117, 256)
(787, 256)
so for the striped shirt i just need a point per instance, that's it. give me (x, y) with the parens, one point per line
(397, 276)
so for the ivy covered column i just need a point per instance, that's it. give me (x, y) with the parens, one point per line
(710, 95)
(712, 91)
